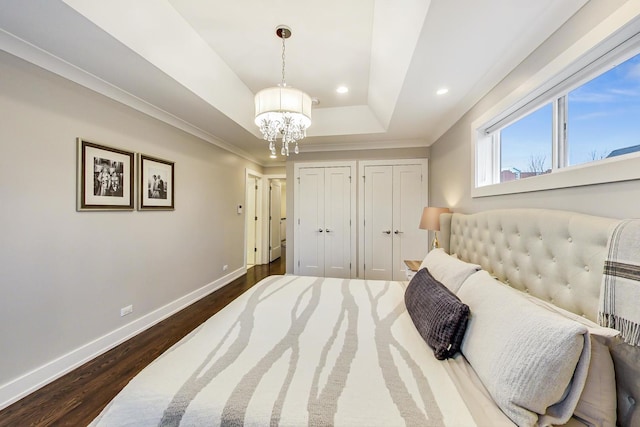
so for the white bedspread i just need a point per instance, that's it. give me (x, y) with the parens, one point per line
(297, 351)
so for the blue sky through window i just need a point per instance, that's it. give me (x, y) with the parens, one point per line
(603, 115)
(527, 139)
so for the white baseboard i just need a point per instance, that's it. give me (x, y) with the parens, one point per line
(20, 387)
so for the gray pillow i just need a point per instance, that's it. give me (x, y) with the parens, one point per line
(439, 316)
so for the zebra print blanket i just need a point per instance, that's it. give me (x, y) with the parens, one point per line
(298, 351)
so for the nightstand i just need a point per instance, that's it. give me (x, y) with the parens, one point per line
(412, 268)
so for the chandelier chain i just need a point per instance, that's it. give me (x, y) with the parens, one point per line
(284, 83)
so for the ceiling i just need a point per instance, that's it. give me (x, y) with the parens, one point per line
(198, 63)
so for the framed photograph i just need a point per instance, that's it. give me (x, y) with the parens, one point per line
(157, 184)
(105, 177)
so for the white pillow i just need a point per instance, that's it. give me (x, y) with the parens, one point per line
(533, 362)
(447, 269)
(597, 405)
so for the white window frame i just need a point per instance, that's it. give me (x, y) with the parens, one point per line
(608, 44)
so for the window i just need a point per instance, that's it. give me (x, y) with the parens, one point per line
(603, 115)
(587, 118)
(525, 146)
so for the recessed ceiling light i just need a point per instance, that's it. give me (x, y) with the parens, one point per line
(442, 91)
(342, 89)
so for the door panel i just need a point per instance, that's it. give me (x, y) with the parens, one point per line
(275, 207)
(337, 212)
(251, 223)
(311, 222)
(378, 215)
(409, 241)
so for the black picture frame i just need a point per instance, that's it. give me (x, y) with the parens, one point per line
(156, 183)
(105, 177)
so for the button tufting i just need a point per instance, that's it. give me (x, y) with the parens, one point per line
(570, 239)
(539, 276)
(586, 268)
(540, 237)
(632, 401)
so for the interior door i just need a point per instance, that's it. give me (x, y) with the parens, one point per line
(408, 239)
(311, 222)
(378, 222)
(337, 222)
(275, 207)
(251, 221)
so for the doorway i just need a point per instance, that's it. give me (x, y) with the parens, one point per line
(264, 218)
(276, 218)
(253, 220)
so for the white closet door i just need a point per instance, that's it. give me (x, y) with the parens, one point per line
(378, 222)
(275, 206)
(337, 215)
(311, 222)
(409, 241)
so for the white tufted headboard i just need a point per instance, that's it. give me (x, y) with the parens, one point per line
(556, 256)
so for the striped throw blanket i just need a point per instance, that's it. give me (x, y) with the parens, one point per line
(620, 290)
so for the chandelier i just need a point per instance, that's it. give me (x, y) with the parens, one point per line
(283, 112)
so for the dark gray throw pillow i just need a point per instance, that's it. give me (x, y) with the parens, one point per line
(439, 315)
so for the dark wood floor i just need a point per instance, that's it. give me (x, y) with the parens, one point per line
(78, 397)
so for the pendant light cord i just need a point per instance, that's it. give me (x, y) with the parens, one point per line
(284, 83)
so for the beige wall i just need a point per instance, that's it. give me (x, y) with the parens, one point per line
(66, 274)
(451, 156)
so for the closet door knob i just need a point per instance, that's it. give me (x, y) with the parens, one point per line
(320, 230)
(327, 230)
(397, 232)
(386, 231)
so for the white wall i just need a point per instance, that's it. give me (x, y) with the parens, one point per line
(451, 156)
(66, 274)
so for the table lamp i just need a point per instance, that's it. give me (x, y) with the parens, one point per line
(431, 221)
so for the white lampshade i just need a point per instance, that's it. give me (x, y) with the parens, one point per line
(279, 100)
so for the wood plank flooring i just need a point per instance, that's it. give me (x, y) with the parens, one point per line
(78, 397)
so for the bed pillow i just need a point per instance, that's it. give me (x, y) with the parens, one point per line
(598, 402)
(533, 362)
(448, 270)
(439, 316)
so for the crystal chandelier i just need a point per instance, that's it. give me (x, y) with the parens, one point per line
(282, 111)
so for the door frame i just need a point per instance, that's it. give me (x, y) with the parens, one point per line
(267, 234)
(277, 184)
(265, 205)
(259, 210)
(424, 162)
(296, 208)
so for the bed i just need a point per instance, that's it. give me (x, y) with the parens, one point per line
(322, 351)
